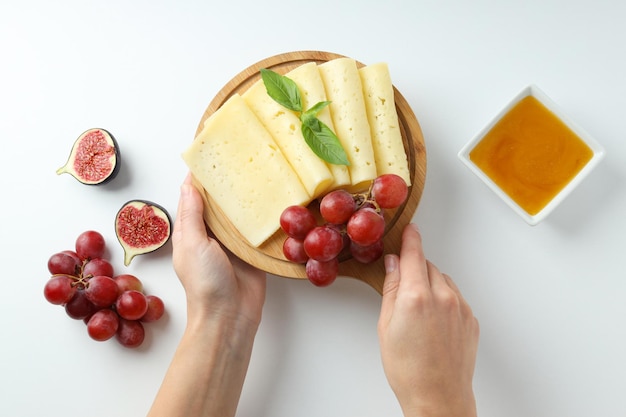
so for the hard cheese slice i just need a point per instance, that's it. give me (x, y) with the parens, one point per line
(309, 81)
(342, 84)
(238, 163)
(285, 127)
(383, 120)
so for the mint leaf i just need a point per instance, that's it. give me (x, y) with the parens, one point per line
(322, 141)
(282, 89)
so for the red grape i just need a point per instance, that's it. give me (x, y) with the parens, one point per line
(73, 255)
(130, 333)
(337, 206)
(98, 266)
(297, 221)
(389, 191)
(323, 243)
(127, 282)
(131, 305)
(366, 227)
(83, 283)
(322, 274)
(63, 263)
(353, 226)
(79, 306)
(293, 249)
(59, 289)
(156, 309)
(102, 291)
(103, 325)
(366, 254)
(89, 245)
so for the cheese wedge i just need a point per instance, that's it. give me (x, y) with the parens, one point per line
(309, 81)
(238, 163)
(285, 127)
(382, 115)
(342, 84)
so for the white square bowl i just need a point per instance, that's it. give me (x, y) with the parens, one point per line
(596, 148)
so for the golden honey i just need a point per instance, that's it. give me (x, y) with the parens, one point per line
(531, 154)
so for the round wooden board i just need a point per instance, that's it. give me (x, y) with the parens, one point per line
(269, 257)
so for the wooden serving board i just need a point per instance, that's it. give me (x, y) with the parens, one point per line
(269, 256)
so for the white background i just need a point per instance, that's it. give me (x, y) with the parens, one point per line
(550, 298)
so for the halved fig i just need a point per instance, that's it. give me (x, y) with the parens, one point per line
(94, 159)
(142, 227)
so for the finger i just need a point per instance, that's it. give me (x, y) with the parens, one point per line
(390, 288)
(242, 268)
(190, 180)
(441, 290)
(189, 226)
(413, 266)
(176, 232)
(437, 279)
(450, 282)
(446, 290)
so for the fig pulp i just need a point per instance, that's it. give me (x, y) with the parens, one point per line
(141, 227)
(94, 159)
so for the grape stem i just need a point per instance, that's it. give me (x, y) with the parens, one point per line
(79, 280)
(366, 198)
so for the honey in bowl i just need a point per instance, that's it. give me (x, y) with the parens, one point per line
(531, 154)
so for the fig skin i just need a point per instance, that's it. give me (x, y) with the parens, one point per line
(116, 160)
(131, 251)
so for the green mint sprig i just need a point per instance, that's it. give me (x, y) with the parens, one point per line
(317, 135)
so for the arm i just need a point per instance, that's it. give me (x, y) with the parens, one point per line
(428, 335)
(224, 303)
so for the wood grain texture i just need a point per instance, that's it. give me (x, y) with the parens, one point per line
(269, 256)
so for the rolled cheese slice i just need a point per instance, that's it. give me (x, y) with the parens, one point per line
(342, 84)
(238, 163)
(309, 81)
(285, 127)
(382, 115)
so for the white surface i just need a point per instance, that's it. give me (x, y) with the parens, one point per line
(550, 298)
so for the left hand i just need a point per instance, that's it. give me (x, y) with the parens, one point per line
(216, 282)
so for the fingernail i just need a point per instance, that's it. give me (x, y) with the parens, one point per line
(391, 263)
(185, 190)
(414, 226)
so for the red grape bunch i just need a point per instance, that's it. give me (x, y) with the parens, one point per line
(111, 305)
(353, 224)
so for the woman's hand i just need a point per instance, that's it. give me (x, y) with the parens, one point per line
(224, 303)
(215, 282)
(428, 335)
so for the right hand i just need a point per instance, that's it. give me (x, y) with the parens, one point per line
(428, 335)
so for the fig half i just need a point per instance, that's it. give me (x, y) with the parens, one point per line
(142, 227)
(94, 159)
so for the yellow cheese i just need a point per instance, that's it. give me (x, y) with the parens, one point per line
(383, 120)
(238, 163)
(285, 127)
(342, 84)
(307, 78)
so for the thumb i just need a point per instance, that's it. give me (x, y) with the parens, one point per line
(390, 288)
(189, 226)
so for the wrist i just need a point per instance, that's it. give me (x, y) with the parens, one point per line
(211, 365)
(208, 369)
(221, 328)
(444, 408)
